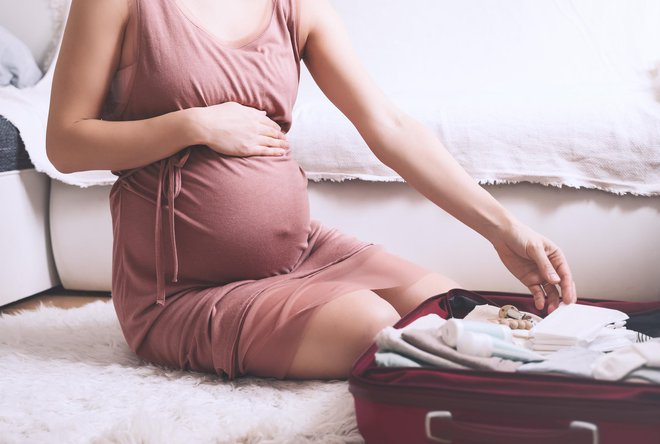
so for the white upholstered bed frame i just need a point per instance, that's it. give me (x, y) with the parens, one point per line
(612, 242)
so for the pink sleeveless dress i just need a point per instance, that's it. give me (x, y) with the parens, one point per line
(217, 265)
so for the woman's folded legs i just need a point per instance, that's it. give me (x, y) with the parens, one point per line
(337, 332)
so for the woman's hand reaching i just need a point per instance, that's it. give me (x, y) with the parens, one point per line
(237, 130)
(538, 263)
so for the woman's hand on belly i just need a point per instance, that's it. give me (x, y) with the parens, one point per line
(237, 130)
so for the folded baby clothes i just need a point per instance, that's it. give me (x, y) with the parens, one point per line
(389, 339)
(573, 324)
(428, 321)
(610, 339)
(484, 312)
(391, 359)
(431, 342)
(576, 361)
(619, 363)
(645, 375)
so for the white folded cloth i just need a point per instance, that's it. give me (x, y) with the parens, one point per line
(573, 361)
(644, 375)
(425, 322)
(608, 339)
(572, 324)
(619, 363)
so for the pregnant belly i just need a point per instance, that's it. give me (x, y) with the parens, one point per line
(240, 217)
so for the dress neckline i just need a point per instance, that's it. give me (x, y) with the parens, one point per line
(232, 44)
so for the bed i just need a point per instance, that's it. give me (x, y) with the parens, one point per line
(26, 256)
(551, 106)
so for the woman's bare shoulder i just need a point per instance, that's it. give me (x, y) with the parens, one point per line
(97, 19)
(115, 11)
(313, 14)
(88, 57)
(307, 12)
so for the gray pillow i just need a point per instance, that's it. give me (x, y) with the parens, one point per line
(17, 65)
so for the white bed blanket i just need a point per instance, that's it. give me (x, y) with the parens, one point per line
(556, 92)
(27, 110)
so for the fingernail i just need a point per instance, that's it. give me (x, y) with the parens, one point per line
(554, 276)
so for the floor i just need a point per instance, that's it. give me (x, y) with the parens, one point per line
(56, 297)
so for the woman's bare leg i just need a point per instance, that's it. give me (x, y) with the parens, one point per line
(338, 333)
(345, 327)
(404, 299)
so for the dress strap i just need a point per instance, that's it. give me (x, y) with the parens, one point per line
(170, 169)
(292, 15)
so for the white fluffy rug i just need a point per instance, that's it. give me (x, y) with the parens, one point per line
(69, 376)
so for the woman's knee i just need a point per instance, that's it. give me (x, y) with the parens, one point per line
(339, 332)
(356, 318)
(406, 298)
(435, 283)
(368, 313)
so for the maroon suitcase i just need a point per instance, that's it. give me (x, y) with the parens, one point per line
(422, 405)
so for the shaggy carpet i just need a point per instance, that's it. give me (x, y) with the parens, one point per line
(67, 375)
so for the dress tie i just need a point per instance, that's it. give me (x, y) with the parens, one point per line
(170, 169)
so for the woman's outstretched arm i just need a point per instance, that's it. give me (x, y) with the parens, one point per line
(78, 140)
(413, 151)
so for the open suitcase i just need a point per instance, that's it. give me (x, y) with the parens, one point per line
(423, 405)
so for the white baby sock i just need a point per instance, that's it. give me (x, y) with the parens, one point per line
(617, 364)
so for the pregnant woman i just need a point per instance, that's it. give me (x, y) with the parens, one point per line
(217, 266)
